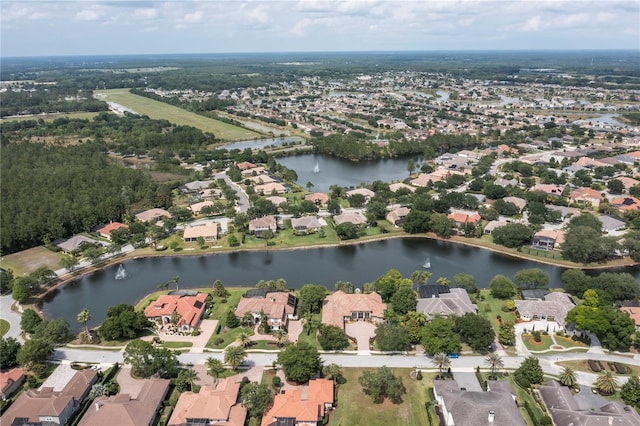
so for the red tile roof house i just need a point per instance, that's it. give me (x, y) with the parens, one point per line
(293, 408)
(340, 307)
(191, 308)
(461, 219)
(212, 406)
(279, 308)
(626, 203)
(49, 407)
(106, 231)
(10, 381)
(262, 225)
(123, 410)
(586, 196)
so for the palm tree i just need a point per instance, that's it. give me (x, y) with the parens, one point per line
(163, 286)
(281, 337)
(421, 277)
(332, 371)
(234, 355)
(494, 362)
(190, 374)
(606, 383)
(175, 280)
(244, 340)
(83, 318)
(442, 361)
(443, 281)
(568, 377)
(215, 368)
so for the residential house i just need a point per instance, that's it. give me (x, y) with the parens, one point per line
(625, 204)
(262, 225)
(76, 243)
(197, 207)
(549, 189)
(628, 182)
(496, 406)
(493, 225)
(296, 407)
(520, 203)
(10, 381)
(553, 307)
(260, 179)
(245, 165)
(441, 301)
(210, 194)
(270, 188)
(307, 224)
(48, 407)
(461, 219)
(279, 307)
(108, 229)
(547, 239)
(586, 197)
(611, 224)
(394, 187)
(277, 200)
(397, 215)
(153, 215)
(253, 171)
(366, 193)
(355, 217)
(189, 305)
(506, 182)
(565, 212)
(208, 231)
(318, 198)
(566, 411)
(211, 406)
(196, 186)
(125, 410)
(341, 307)
(634, 313)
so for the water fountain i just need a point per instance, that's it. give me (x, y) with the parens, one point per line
(316, 169)
(122, 273)
(427, 263)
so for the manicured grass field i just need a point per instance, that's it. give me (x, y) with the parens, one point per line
(544, 344)
(4, 327)
(356, 408)
(27, 261)
(491, 307)
(570, 343)
(179, 116)
(51, 117)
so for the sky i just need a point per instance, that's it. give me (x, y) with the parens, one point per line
(87, 27)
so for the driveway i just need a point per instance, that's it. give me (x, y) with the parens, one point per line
(362, 331)
(10, 316)
(294, 330)
(207, 328)
(468, 381)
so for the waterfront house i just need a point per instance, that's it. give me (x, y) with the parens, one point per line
(318, 198)
(547, 239)
(397, 216)
(307, 224)
(341, 307)
(441, 301)
(189, 305)
(108, 229)
(262, 225)
(270, 188)
(553, 307)
(278, 307)
(355, 217)
(208, 232)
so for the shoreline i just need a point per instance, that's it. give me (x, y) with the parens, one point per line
(453, 240)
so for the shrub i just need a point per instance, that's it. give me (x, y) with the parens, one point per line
(276, 382)
(621, 368)
(593, 365)
(536, 336)
(419, 375)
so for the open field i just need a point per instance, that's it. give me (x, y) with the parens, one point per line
(50, 117)
(27, 261)
(411, 411)
(179, 116)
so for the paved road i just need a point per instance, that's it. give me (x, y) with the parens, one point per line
(243, 200)
(12, 317)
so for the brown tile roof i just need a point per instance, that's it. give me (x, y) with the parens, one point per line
(8, 378)
(317, 197)
(339, 305)
(190, 308)
(292, 404)
(152, 214)
(108, 229)
(122, 410)
(586, 193)
(217, 405)
(263, 223)
(354, 217)
(208, 230)
(274, 305)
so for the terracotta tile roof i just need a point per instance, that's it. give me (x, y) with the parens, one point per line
(626, 203)
(586, 193)
(291, 404)
(122, 410)
(197, 207)
(396, 186)
(274, 305)
(634, 313)
(355, 217)
(190, 308)
(106, 230)
(269, 188)
(317, 197)
(263, 224)
(218, 405)
(339, 305)
(460, 217)
(245, 165)
(9, 378)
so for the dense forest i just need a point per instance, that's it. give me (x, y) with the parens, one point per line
(36, 99)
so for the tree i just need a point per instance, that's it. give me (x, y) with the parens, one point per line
(300, 362)
(311, 298)
(476, 331)
(347, 231)
(185, 379)
(215, 368)
(232, 319)
(421, 277)
(502, 287)
(389, 283)
(494, 362)
(333, 207)
(30, 321)
(83, 317)
(332, 371)
(606, 383)
(219, 290)
(56, 331)
(243, 340)
(411, 165)
(442, 361)
(123, 321)
(332, 338)
(417, 221)
(413, 323)
(404, 300)
(438, 336)
(630, 391)
(21, 289)
(256, 398)
(139, 354)
(344, 286)
(568, 377)
(34, 351)
(615, 186)
(281, 337)
(575, 281)
(382, 383)
(234, 356)
(9, 348)
(531, 278)
(529, 372)
(512, 235)
(6, 280)
(465, 281)
(392, 337)
(441, 225)
(69, 262)
(507, 333)
(584, 244)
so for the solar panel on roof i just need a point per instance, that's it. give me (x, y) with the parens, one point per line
(291, 300)
(198, 304)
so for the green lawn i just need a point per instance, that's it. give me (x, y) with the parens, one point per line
(227, 336)
(544, 344)
(179, 116)
(4, 327)
(570, 343)
(51, 117)
(177, 345)
(356, 408)
(491, 307)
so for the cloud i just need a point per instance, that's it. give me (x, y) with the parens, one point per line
(258, 15)
(193, 18)
(145, 13)
(300, 28)
(533, 24)
(88, 15)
